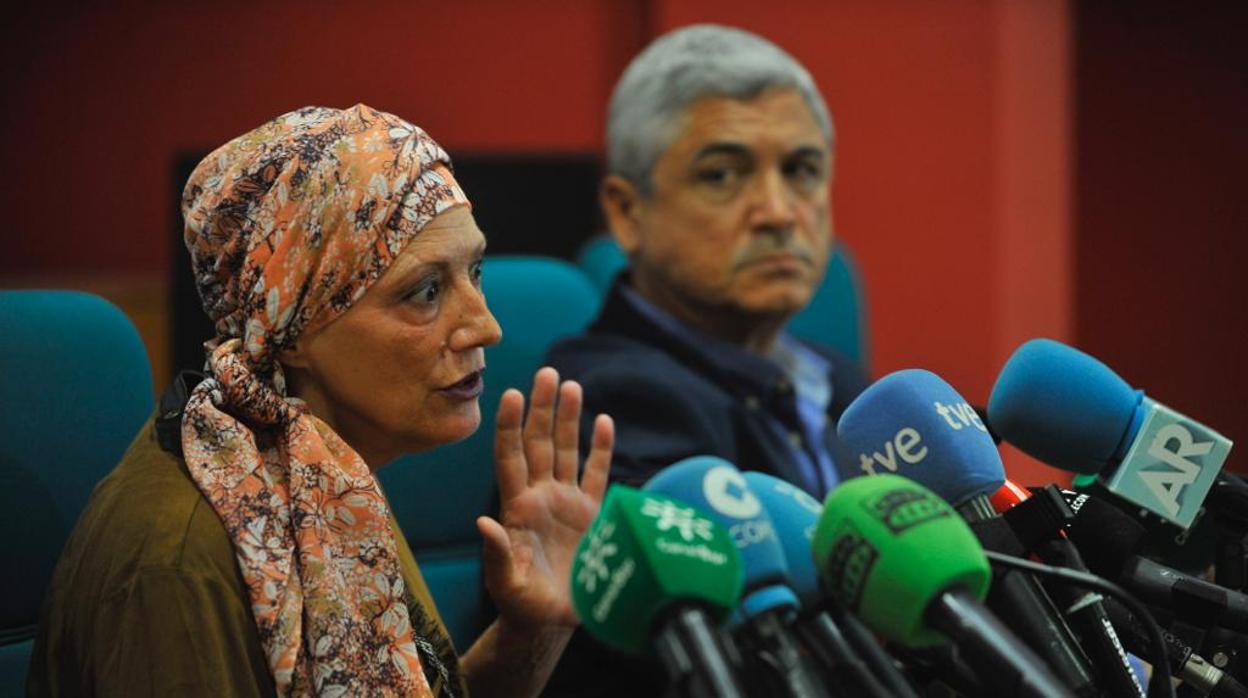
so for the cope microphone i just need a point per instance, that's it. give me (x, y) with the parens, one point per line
(844, 646)
(899, 556)
(652, 574)
(1083, 608)
(1108, 539)
(768, 606)
(913, 423)
(1068, 409)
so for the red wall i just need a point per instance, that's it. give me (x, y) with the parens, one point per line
(954, 184)
(97, 101)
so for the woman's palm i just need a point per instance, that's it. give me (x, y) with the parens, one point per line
(544, 509)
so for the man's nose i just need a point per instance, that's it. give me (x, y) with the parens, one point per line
(772, 206)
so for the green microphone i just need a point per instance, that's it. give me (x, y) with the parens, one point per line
(654, 574)
(901, 558)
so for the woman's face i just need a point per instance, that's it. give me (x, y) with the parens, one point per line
(400, 371)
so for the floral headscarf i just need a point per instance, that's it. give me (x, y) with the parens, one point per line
(287, 226)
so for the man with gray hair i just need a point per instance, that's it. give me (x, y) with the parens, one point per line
(720, 154)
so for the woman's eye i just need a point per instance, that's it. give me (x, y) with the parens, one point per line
(476, 272)
(426, 293)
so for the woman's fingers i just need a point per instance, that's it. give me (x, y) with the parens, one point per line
(567, 432)
(496, 558)
(510, 467)
(538, 425)
(545, 443)
(598, 463)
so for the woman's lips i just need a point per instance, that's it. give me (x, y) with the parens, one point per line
(467, 389)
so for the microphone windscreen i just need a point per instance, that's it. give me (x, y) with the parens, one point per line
(646, 553)
(886, 547)
(913, 423)
(715, 487)
(794, 513)
(1106, 536)
(1062, 406)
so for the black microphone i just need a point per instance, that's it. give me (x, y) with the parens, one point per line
(1040, 522)
(1228, 501)
(1185, 664)
(1108, 540)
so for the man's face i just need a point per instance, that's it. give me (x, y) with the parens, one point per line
(739, 223)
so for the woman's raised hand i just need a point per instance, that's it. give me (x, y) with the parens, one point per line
(544, 510)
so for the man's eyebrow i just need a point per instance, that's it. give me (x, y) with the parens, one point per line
(809, 151)
(722, 148)
(740, 150)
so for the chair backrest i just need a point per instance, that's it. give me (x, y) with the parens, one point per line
(836, 316)
(601, 259)
(437, 496)
(75, 387)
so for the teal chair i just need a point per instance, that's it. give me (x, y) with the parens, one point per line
(437, 496)
(75, 387)
(601, 259)
(836, 316)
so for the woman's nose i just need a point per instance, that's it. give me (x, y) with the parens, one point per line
(477, 326)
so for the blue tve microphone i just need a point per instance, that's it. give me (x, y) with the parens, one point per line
(913, 423)
(1068, 409)
(768, 606)
(843, 645)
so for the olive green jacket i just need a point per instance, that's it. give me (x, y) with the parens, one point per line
(147, 599)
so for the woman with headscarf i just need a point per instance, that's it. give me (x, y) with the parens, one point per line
(243, 546)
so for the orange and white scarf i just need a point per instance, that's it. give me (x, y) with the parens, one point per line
(287, 226)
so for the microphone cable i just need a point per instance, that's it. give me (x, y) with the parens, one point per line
(1159, 685)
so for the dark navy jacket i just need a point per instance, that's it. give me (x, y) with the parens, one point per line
(670, 401)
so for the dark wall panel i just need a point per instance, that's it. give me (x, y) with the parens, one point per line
(1162, 202)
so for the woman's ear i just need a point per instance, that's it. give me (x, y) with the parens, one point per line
(296, 368)
(295, 355)
(621, 205)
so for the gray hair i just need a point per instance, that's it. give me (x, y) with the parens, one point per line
(677, 69)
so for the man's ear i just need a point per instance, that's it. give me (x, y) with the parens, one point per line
(621, 206)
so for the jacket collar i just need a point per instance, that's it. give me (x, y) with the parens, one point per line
(743, 374)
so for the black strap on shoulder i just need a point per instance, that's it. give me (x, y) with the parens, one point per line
(169, 414)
